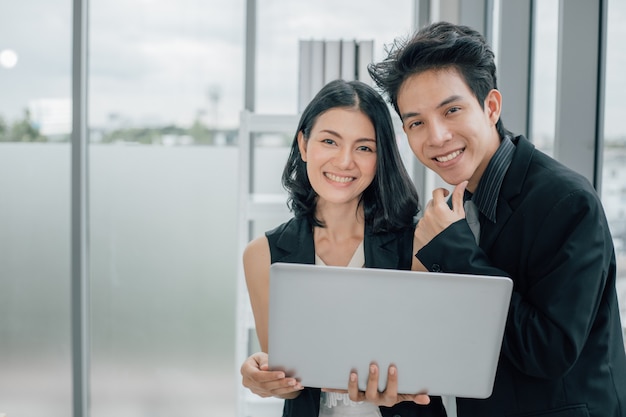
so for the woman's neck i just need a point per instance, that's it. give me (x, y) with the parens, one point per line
(345, 221)
(344, 230)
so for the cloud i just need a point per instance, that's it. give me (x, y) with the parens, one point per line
(282, 24)
(155, 59)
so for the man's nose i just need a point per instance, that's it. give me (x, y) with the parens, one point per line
(438, 133)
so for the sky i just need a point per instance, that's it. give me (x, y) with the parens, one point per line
(155, 62)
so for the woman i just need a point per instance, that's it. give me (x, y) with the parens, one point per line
(350, 195)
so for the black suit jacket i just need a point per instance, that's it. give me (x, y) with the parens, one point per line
(563, 353)
(292, 242)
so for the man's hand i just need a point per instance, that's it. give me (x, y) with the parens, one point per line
(438, 215)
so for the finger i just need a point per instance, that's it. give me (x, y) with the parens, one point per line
(274, 387)
(371, 391)
(266, 376)
(262, 376)
(391, 391)
(353, 388)
(264, 363)
(278, 388)
(287, 386)
(457, 197)
(421, 399)
(340, 391)
(439, 195)
(254, 362)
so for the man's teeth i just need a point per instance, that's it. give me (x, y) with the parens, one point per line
(339, 179)
(449, 157)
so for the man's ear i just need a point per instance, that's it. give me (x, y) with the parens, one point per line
(493, 105)
(302, 145)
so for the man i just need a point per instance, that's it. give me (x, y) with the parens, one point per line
(536, 221)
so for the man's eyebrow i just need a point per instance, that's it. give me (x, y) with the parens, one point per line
(405, 116)
(449, 100)
(445, 102)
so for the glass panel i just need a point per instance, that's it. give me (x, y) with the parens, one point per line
(283, 23)
(164, 252)
(163, 280)
(169, 73)
(270, 156)
(35, 71)
(614, 167)
(545, 48)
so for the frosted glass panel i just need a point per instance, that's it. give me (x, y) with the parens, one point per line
(268, 165)
(35, 80)
(35, 365)
(164, 262)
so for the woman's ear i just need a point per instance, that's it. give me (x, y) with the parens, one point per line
(493, 105)
(302, 146)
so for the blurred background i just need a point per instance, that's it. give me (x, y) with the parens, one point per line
(176, 168)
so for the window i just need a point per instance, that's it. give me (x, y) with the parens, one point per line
(165, 85)
(35, 120)
(614, 166)
(543, 113)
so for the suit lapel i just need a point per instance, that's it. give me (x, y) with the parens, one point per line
(295, 244)
(511, 187)
(380, 251)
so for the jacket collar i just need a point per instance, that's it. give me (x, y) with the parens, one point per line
(511, 187)
(295, 245)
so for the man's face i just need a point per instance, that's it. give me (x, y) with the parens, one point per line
(448, 130)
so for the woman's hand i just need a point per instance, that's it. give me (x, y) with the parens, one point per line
(389, 397)
(265, 383)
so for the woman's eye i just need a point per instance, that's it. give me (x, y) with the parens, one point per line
(365, 148)
(454, 109)
(414, 124)
(328, 141)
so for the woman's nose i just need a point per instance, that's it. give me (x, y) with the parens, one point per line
(344, 158)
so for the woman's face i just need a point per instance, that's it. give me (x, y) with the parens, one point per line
(340, 155)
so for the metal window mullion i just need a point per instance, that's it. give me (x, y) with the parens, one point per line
(599, 148)
(250, 56)
(421, 17)
(79, 214)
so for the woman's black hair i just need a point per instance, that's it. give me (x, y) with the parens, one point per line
(390, 202)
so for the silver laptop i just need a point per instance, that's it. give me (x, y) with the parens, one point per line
(442, 331)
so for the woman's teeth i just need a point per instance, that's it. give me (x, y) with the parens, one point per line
(338, 179)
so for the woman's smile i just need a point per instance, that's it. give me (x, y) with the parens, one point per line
(339, 178)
